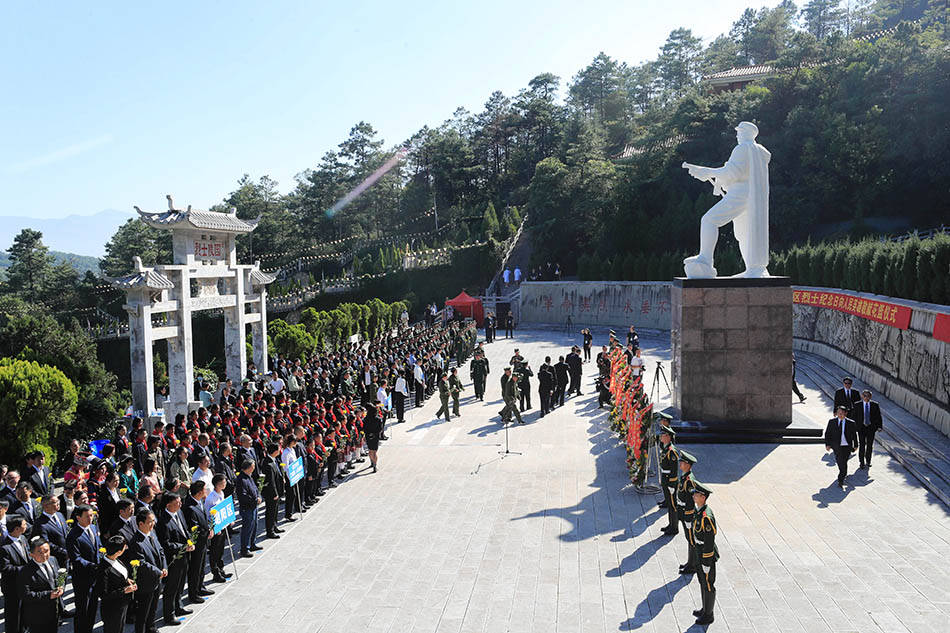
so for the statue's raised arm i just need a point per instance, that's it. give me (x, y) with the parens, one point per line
(744, 184)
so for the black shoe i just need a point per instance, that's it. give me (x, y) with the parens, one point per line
(277, 530)
(804, 398)
(321, 492)
(205, 592)
(181, 612)
(246, 554)
(687, 570)
(289, 519)
(196, 600)
(171, 622)
(255, 548)
(384, 437)
(697, 612)
(226, 574)
(333, 485)
(218, 578)
(662, 504)
(670, 531)
(705, 619)
(272, 536)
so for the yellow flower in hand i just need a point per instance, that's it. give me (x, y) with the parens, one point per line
(214, 512)
(102, 550)
(135, 562)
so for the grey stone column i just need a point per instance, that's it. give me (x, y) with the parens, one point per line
(181, 364)
(259, 334)
(235, 349)
(140, 353)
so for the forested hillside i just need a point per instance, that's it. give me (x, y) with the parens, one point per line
(855, 115)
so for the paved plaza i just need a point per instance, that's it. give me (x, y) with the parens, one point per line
(451, 537)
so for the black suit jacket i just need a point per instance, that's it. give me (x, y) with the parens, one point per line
(125, 529)
(833, 433)
(18, 507)
(148, 551)
(273, 479)
(41, 482)
(12, 560)
(874, 421)
(54, 532)
(171, 534)
(84, 554)
(110, 586)
(39, 611)
(195, 515)
(108, 510)
(841, 398)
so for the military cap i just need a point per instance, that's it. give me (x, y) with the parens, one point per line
(686, 457)
(700, 489)
(665, 428)
(665, 416)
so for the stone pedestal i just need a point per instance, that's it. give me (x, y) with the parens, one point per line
(732, 351)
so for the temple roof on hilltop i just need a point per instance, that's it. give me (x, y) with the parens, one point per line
(740, 73)
(197, 219)
(142, 279)
(259, 278)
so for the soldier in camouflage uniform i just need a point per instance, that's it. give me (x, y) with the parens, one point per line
(704, 536)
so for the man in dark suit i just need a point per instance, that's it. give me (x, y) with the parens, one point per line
(124, 526)
(40, 597)
(24, 505)
(847, 396)
(197, 516)
(14, 556)
(867, 417)
(152, 569)
(842, 438)
(9, 490)
(173, 535)
(52, 526)
(40, 476)
(272, 490)
(574, 364)
(561, 371)
(83, 543)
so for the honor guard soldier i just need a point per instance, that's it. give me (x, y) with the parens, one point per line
(669, 475)
(685, 508)
(704, 536)
(478, 369)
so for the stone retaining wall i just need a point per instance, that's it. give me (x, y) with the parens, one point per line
(645, 304)
(910, 366)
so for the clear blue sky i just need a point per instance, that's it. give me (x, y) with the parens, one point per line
(110, 104)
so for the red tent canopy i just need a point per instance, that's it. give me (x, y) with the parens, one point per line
(468, 306)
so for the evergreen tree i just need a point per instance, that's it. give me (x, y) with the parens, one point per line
(31, 265)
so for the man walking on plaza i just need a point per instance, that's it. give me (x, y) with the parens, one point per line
(509, 393)
(455, 388)
(574, 364)
(478, 370)
(561, 371)
(443, 397)
(546, 382)
(841, 437)
(867, 418)
(847, 396)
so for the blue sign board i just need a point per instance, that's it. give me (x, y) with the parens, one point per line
(224, 514)
(295, 471)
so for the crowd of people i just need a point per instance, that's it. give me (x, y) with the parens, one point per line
(132, 529)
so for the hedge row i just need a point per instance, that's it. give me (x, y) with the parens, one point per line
(318, 329)
(912, 269)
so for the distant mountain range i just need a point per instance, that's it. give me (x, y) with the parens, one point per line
(85, 235)
(82, 263)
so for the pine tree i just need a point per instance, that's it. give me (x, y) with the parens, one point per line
(31, 264)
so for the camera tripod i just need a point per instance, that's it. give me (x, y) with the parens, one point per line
(654, 456)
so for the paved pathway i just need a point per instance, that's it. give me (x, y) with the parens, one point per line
(450, 537)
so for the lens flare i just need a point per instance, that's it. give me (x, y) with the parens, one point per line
(366, 184)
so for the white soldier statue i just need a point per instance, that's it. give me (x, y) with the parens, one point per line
(743, 182)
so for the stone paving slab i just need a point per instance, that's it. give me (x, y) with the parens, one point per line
(450, 536)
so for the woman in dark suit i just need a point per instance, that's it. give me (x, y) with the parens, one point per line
(114, 586)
